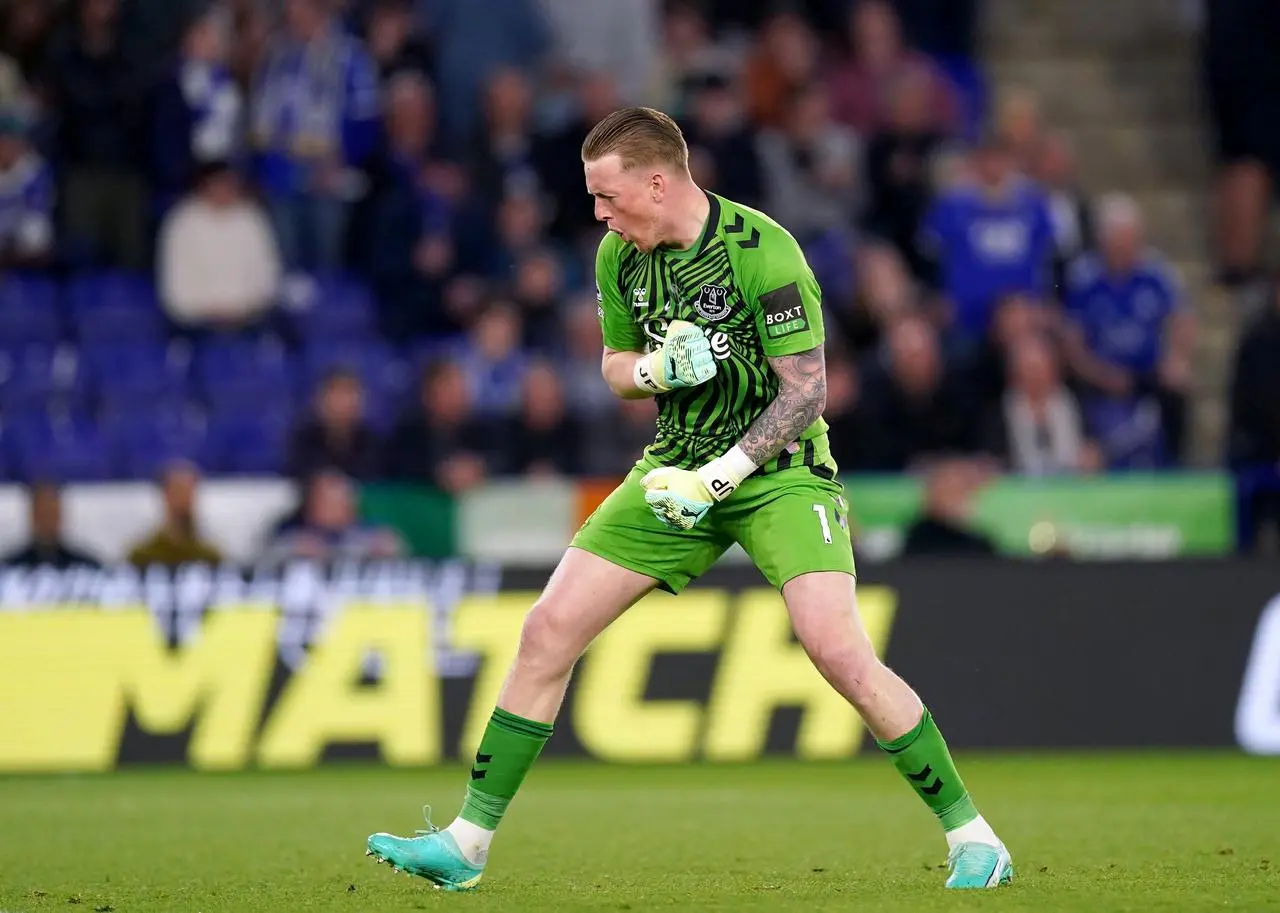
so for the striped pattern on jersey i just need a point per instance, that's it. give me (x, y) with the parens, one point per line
(699, 423)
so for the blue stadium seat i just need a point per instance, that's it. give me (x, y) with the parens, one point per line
(144, 441)
(234, 373)
(123, 374)
(248, 443)
(63, 445)
(334, 309)
(34, 376)
(115, 308)
(29, 311)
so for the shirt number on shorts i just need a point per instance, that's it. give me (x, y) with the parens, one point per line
(821, 511)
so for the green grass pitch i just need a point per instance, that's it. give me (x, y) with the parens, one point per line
(1088, 832)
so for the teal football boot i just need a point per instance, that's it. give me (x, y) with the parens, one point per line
(433, 854)
(979, 865)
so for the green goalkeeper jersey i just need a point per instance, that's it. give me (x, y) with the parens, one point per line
(747, 285)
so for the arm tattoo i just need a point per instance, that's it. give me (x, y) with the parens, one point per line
(802, 395)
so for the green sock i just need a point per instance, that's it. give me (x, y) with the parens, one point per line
(922, 757)
(510, 746)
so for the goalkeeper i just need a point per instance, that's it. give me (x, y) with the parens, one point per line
(711, 308)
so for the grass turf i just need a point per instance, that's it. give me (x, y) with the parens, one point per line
(1087, 832)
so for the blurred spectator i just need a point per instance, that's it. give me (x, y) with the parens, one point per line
(947, 524)
(539, 287)
(543, 439)
(336, 435)
(1038, 429)
(25, 37)
(810, 169)
(441, 442)
(862, 83)
(395, 42)
(558, 158)
(177, 541)
(883, 293)
(476, 39)
(46, 547)
(13, 88)
(722, 146)
(97, 92)
(329, 529)
(218, 261)
(618, 37)
(1016, 319)
(1070, 209)
(846, 415)
(1021, 128)
(588, 395)
(1131, 338)
(917, 411)
(251, 33)
(1242, 82)
(1255, 391)
(783, 62)
(314, 125)
(1253, 442)
(198, 110)
(899, 168)
(503, 157)
(493, 361)
(689, 55)
(26, 198)
(411, 245)
(518, 224)
(612, 445)
(990, 237)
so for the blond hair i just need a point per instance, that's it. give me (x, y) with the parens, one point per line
(639, 136)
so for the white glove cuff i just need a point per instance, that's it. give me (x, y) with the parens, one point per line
(725, 473)
(646, 378)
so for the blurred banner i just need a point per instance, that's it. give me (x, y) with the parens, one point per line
(528, 523)
(290, 667)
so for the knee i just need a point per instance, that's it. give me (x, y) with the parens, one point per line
(549, 640)
(852, 668)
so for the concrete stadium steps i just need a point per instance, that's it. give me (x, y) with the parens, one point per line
(1122, 80)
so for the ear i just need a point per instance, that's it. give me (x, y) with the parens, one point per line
(657, 186)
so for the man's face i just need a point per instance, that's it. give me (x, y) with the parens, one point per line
(629, 202)
(46, 514)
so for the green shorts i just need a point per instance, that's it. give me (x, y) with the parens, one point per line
(789, 522)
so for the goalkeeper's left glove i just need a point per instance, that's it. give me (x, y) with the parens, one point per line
(682, 497)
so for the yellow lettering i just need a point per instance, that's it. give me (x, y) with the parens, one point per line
(324, 701)
(762, 669)
(611, 718)
(490, 626)
(69, 676)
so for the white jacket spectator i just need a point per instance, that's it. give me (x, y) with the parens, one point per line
(219, 261)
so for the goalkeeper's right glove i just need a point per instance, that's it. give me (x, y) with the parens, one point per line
(683, 360)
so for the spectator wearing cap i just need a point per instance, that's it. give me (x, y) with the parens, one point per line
(315, 122)
(219, 264)
(26, 198)
(988, 237)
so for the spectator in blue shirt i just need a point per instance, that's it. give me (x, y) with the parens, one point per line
(989, 237)
(26, 198)
(1130, 337)
(198, 110)
(315, 121)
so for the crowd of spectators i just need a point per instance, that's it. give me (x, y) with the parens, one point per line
(365, 227)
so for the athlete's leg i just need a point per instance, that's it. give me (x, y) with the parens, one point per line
(824, 614)
(583, 596)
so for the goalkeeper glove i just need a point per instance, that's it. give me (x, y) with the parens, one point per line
(682, 497)
(683, 360)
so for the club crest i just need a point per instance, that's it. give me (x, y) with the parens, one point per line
(712, 302)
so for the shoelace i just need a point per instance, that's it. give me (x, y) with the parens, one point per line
(431, 828)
